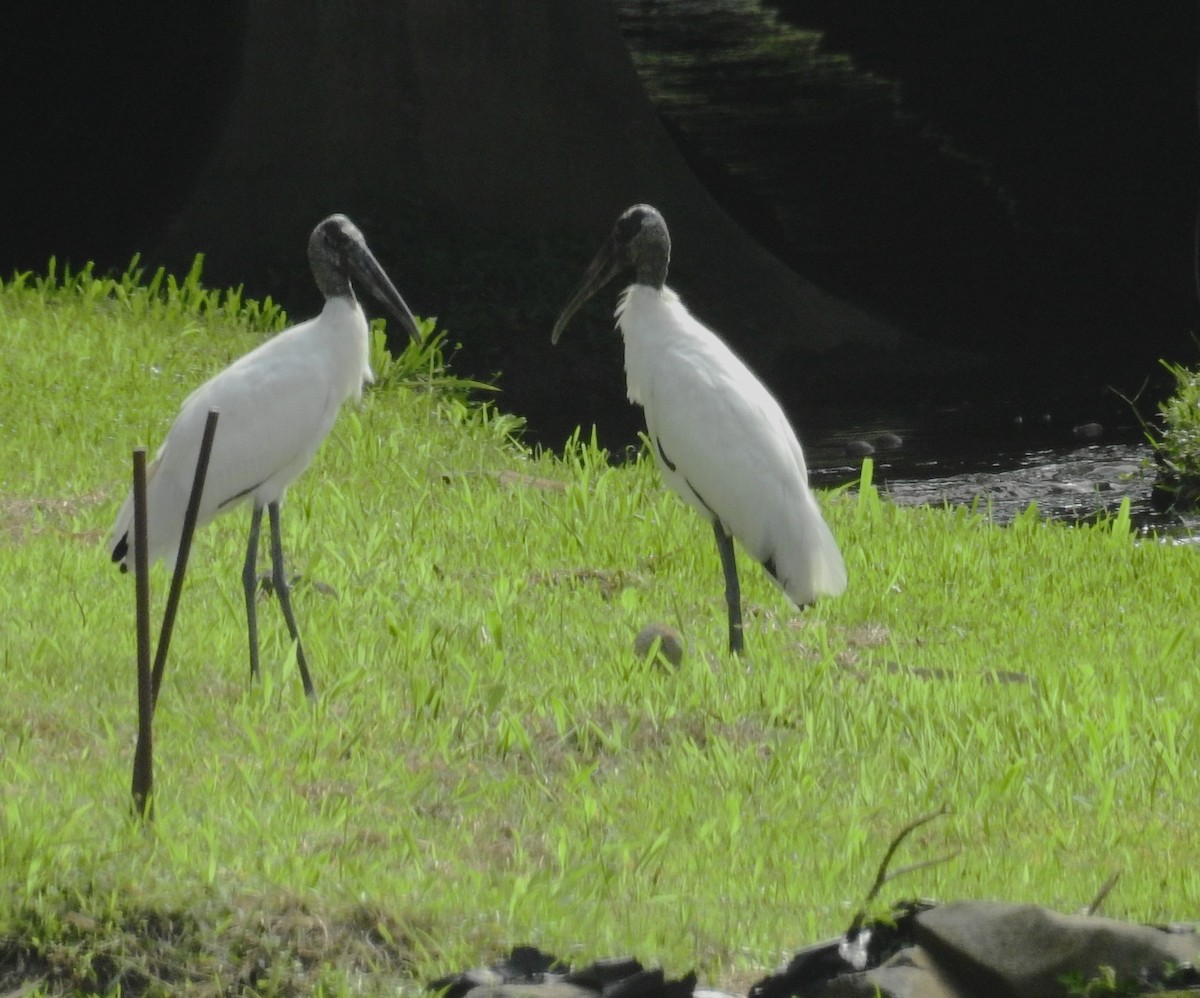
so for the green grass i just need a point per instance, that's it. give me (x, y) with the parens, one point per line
(1177, 444)
(488, 762)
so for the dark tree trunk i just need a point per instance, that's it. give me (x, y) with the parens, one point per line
(442, 126)
(503, 115)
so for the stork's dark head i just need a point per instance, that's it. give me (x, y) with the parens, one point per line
(338, 252)
(638, 242)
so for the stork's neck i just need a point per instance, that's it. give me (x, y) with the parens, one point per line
(331, 280)
(652, 265)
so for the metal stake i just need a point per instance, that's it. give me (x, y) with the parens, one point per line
(185, 546)
(143, 756)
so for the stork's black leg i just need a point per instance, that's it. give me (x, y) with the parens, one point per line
(250, 587)
(733, 593)
(279, 577)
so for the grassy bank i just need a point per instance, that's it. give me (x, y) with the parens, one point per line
(488, 762)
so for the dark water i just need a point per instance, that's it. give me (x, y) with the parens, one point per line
(1074, 471)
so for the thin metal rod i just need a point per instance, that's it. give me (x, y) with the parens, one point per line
(185, 547)
(143, 756)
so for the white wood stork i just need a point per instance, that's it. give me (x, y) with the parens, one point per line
(720, 439)
(277, 403)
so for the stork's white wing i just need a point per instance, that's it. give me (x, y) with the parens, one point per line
(276, 405)
(726, 446)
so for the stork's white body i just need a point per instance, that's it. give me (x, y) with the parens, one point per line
(723, 443)
(277, 404)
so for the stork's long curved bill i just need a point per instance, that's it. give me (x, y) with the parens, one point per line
(604, 267)
(373, 277)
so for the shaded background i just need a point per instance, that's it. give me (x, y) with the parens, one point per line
(979, 207)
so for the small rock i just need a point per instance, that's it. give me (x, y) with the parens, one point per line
(525, 989)
(670, 643)
(889, 441)
(973, 948)
(530, 973)
(525, 965)
(908, 974)
(858, 448)
(1026, 950)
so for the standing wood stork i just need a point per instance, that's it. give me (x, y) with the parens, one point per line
(277, 403)
(720, 439)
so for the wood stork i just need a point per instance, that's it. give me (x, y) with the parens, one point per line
(720, 439)
(277, 403)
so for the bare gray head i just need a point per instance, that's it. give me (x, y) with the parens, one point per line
(638, 242)
(337, 252)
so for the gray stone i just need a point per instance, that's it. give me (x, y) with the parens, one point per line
(525, 989)
(1026, 951)
(670, 644)
(908, 974)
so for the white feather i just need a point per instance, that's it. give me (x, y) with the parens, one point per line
(277, 404)
(723, 443)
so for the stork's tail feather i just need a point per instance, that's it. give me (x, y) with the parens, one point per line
(120, 550)
(120, 542)
(828, 570)
(813, 569)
